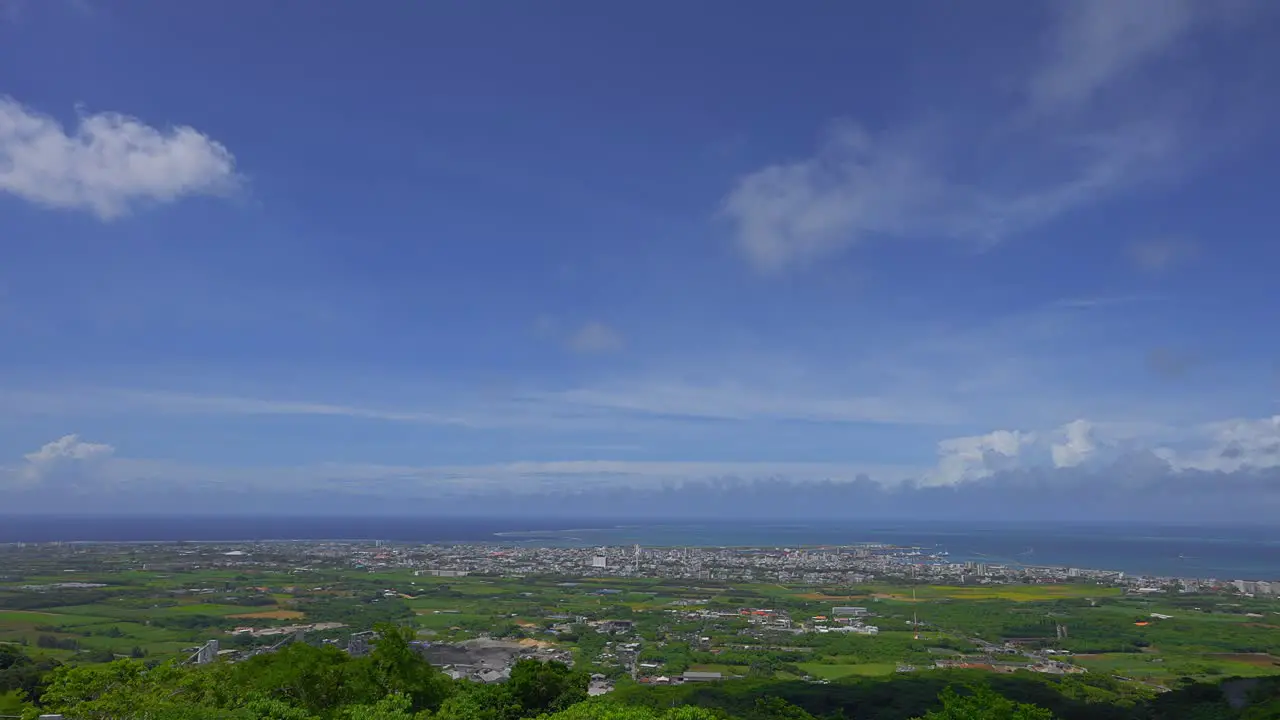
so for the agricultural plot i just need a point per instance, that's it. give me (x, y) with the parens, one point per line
(836, 671)
(162, 613)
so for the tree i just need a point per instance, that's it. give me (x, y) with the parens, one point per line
(311, 678)
(128, 689)
(540, 687)
(392, 707)
(775, 708)
(984, 704)
(398, 668)
(476, 701)
(604, 710)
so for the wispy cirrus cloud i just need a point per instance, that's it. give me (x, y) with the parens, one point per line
(1048, 154)
(636, 401)
(1097, 42)
(1099, 302)
(113, 401)
(1029, 367)
(733, 401)
(108, 164)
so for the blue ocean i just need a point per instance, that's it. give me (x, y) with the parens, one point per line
(1240, 552)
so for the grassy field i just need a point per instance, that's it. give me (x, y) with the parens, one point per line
(32, 617)
(10, 703)
(204, 609)
(271, 615)
(725, 670)
(833, 671)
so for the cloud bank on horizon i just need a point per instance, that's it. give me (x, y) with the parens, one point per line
(1006, 259)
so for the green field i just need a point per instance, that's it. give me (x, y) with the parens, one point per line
(31, 617)
(10, 703)
(832, 672)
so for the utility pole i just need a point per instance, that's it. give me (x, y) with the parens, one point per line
(915, 617)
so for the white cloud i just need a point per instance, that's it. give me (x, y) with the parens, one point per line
(87, 401)
(735, 401)
(979, 456)
(230, 405)
(1097, 42)
(1230, 446)
(995, 466)
(621, 405)
(1042, 158)
(108, 164)
(857, 189)
(69, 462)
(853, 189)
(1077, 444)
(65, 461)
(596, 337)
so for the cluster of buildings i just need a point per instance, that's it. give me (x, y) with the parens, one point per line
(847, 564)
(816, 566)
(1256, 587)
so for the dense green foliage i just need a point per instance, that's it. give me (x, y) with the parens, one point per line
(984, 704)
(393, 682)
(914, 695)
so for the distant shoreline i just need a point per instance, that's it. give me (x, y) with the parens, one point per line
(1159, 550)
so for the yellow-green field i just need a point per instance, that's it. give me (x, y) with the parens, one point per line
(833, 672)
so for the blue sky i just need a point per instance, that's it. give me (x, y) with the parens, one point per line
(413, 255)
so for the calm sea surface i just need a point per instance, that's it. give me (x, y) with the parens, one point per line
(1220, 552)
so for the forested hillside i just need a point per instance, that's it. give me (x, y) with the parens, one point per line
(304, 682)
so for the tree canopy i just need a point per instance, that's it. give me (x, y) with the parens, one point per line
(395, 682)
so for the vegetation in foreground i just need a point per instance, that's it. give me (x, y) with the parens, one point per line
(107, 644)
(393, 682)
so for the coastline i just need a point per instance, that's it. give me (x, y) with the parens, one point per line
(1150, 550)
